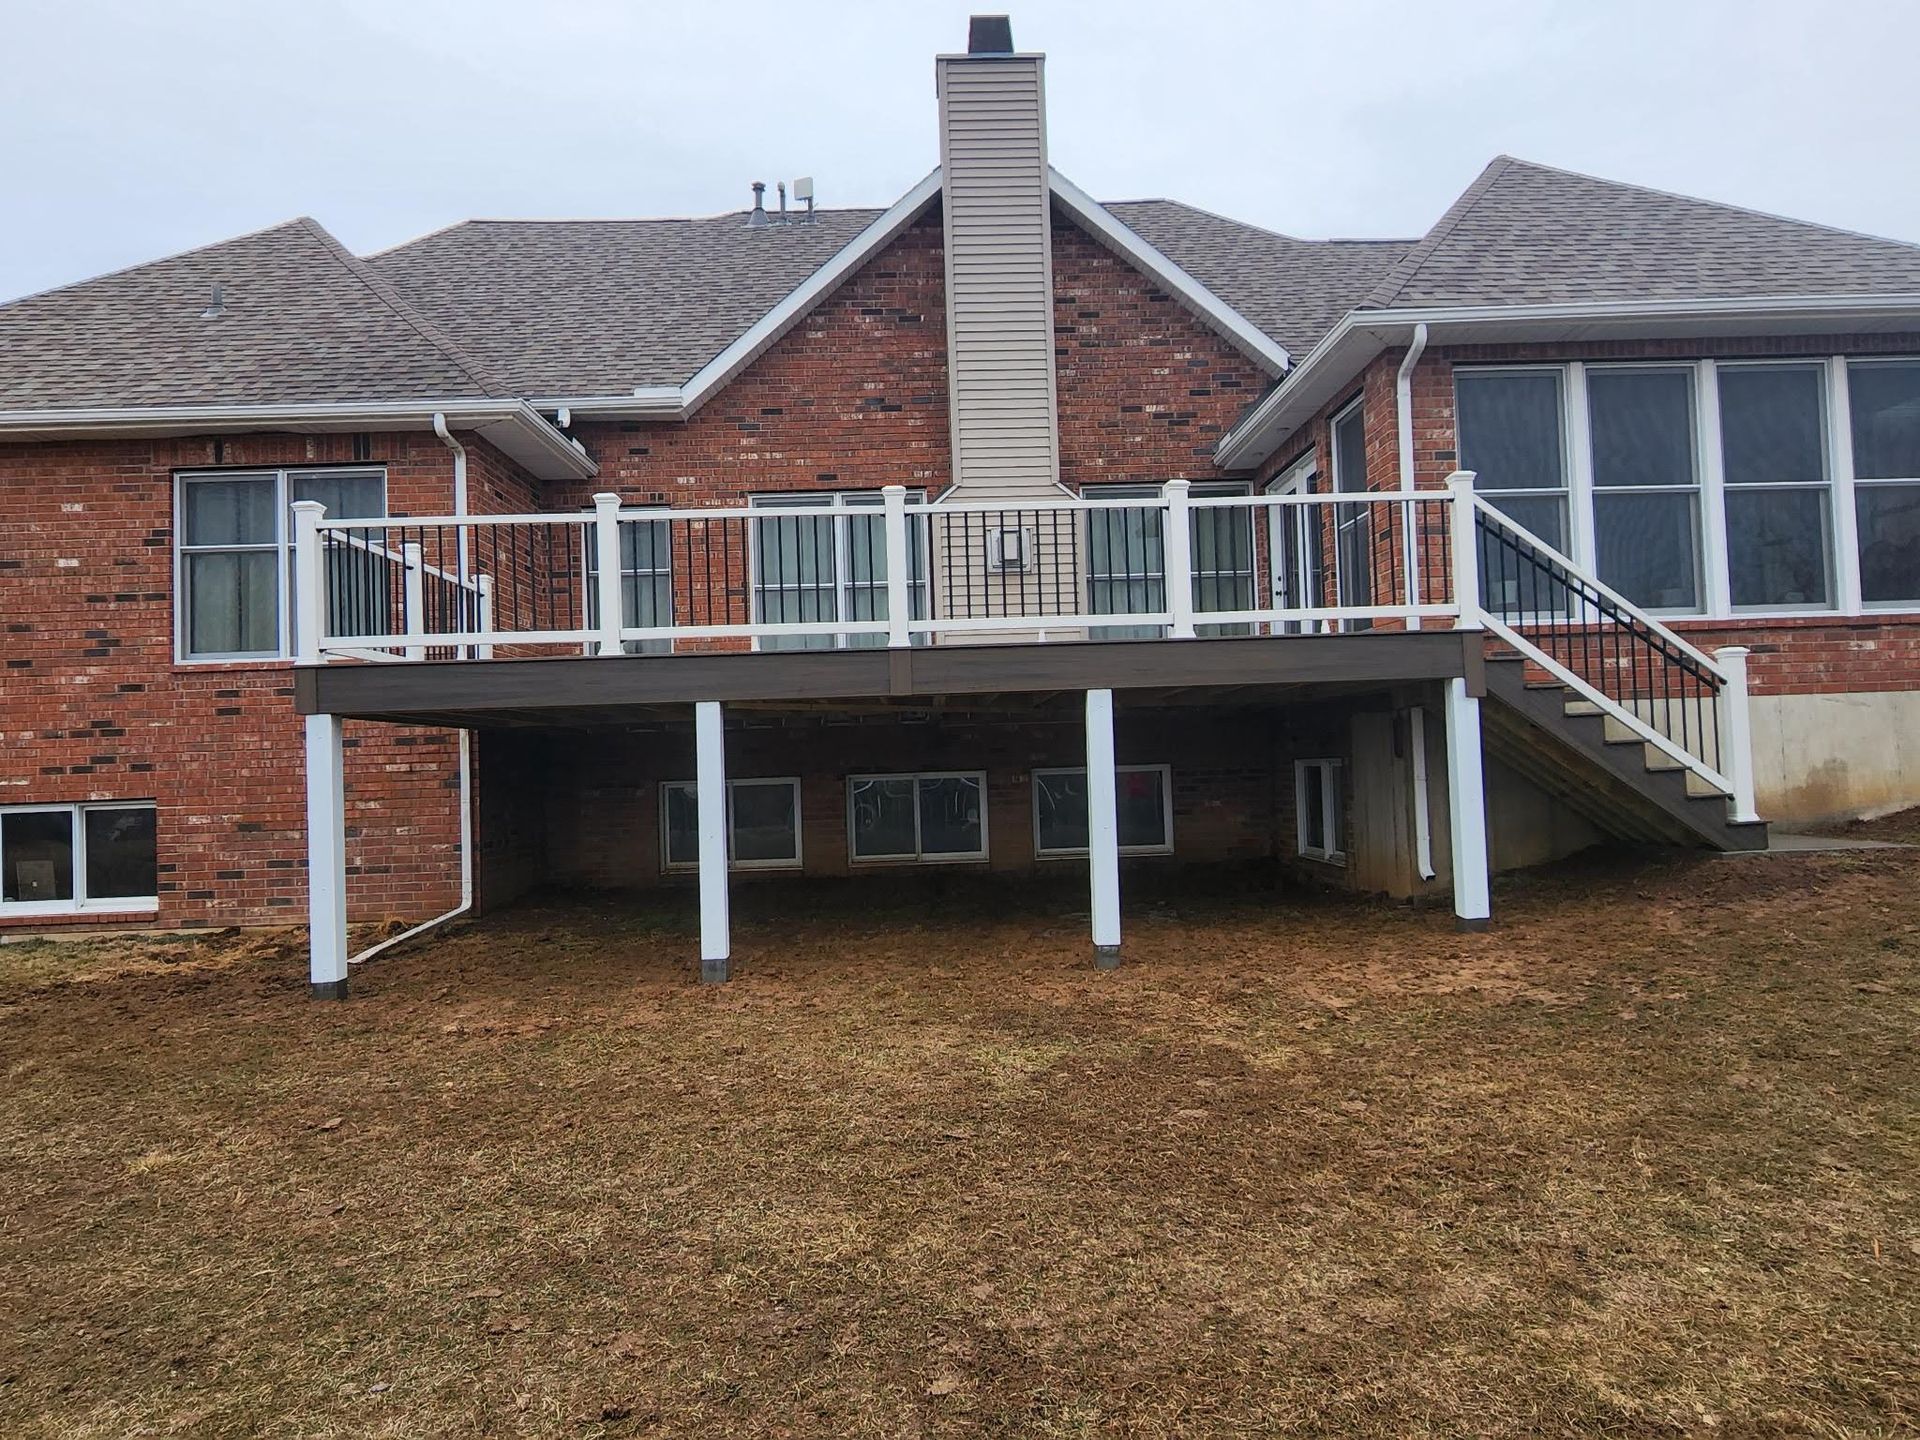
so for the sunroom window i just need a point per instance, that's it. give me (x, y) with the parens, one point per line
(1885, 401)
(1646, 487)
(1779, 504)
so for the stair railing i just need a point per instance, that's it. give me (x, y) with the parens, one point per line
(1690, 706)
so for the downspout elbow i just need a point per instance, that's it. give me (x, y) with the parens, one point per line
(1403, 403)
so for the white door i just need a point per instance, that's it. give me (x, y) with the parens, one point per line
(1293, 543)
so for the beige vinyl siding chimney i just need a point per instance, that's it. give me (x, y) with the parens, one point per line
(999, 261)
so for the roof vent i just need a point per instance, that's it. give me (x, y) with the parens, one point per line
(758, 215)
(217, 306)
(989, 35)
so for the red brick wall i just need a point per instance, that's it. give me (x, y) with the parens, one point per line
(94, 706)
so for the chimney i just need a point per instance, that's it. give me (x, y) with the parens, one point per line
(996, 202)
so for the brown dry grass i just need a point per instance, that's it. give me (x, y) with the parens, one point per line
(1641, 1162)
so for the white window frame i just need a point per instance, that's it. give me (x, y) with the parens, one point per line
(1717, 603)
(282, 544)
(672, 866)
(919, 856)
(1699, 377)
(853, 502)
(1718, 536)
(1332, 814)
(80, 903)
(1199, 489)
(590, 553)
(1164, 847)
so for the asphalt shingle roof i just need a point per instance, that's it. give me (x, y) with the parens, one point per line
(598, 307)
(1529, 234)
(302, 320)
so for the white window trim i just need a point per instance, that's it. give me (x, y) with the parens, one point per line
(1165, 847)
(1332, 816)
(80, 904)
(1199, 489)
(919, 856)
(1696, 377)
(1717, 607)
(852, 502)
(672, 866)
(282, 545)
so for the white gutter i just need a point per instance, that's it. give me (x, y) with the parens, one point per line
(466, 739)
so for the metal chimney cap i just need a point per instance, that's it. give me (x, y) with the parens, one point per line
(989, 35)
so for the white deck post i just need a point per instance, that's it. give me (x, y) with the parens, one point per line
(710, 804)
(1103, 830)
(1463, 540)
(899, 575)
(1736, 731)
(1177, 559)
(414, 594)
(326, 860)
(309, 591)
(483, 614)
(606, 553)
(1467, 809)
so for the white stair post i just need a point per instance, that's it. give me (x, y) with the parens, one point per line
(606, 560)
(899, 592)
(710, 805)
(1103, 830)
(309, 590)
(326, 860)
(1177, 559)
(414, 597)
(483, 614)
(1467, 809)
(1736, 731)
(1463, 541)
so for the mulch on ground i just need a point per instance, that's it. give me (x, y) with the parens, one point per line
(1640, 1161)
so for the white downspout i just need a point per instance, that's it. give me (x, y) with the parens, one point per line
(466, 738)
(1417, 717)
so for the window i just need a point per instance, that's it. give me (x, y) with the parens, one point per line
(646, 581)
(1143, 810)
(930, 817)
(1885, 400)
(1126, 560)
(1353, 530)
(1512, 437)
(763, 824)
(1297, 536)
(1773, 447)
(811, 569)
(1646, 490)
(57, 859)
(235, 538)
(1317, 810)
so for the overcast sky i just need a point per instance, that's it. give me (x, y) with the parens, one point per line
(131, 129)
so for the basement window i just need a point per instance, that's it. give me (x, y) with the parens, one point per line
(1317, 811)
(1144, 810)
(763, 824)
(929, 818)
(63, 859)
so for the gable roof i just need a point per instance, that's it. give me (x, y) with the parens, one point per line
(1526, 234)
(301, 320)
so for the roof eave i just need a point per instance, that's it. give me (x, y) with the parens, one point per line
(514, 427)
(1362, 334)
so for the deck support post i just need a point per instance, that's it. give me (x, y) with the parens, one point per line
(1735, 761)
(710, 804)
(326, 860)
(1467, 809)
(1103, 830)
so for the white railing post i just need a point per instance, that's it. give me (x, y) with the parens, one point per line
(1177, 557)
(309, 588)
(1736, 731)
(606, 550)
(899, 590)
(414, 597)
(483, 618)
(1463, 541)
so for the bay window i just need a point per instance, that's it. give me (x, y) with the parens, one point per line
(1779, 506)
(1884, 397)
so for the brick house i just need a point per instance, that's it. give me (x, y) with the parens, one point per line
(999, 528)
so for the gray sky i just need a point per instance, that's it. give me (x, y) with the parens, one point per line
(131, 129)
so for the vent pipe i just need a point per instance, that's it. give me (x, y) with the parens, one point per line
(758, 216)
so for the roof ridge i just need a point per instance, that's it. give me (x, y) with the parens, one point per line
(473, 220)
(1715, 204)
(1409, 264)
(394, 301)
(148, 264)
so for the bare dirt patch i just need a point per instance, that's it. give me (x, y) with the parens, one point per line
(1641, 1161)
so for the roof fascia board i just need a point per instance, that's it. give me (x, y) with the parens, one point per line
(782, 317)
(512, 425)
(1117, 236)
(1362, 334)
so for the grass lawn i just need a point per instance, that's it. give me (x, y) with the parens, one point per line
(1642, 1161)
